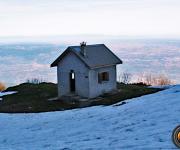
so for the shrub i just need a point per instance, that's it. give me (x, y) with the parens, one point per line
(140, 84)
(125, 78)
(35, 81)
(163, 80)
(153, 79)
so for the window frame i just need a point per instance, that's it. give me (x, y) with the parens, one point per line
(103, 77)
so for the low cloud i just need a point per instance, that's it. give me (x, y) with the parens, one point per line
(15, 70)
(21, 62)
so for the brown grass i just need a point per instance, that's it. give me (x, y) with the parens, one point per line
(155, 79)
(2, 86)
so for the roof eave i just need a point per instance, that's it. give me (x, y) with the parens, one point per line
(107, 65)
(53, 65)
(69, 49)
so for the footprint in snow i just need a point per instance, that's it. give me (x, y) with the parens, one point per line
(4, 141)
(153, 124)
(65, 148)
(161, 140)
(129, 130)
(46, 145)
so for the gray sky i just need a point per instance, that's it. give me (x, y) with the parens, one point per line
(156, 18)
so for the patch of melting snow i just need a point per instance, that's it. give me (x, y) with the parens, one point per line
(162, 86)
(7, 93)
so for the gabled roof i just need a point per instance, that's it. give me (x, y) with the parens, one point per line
(96, 56)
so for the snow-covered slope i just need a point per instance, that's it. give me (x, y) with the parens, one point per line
(143, 123)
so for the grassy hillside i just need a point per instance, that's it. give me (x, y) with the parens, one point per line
(34, 98)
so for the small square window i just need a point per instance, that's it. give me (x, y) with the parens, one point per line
(104, 76)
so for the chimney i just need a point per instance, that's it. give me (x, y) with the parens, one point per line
(83, 50)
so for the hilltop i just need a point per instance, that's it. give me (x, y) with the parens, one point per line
(34, 98)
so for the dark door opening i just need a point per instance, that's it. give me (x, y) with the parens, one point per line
(72, 81)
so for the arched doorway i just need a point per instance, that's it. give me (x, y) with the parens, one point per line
(72, 81)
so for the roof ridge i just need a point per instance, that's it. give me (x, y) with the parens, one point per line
(86, 45)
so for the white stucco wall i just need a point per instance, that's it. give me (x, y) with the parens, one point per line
(72, 62)
(96, 88)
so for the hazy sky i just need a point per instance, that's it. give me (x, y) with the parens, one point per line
(158, 18)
